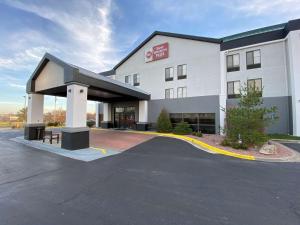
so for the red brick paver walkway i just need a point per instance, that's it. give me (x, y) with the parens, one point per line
(115, 139)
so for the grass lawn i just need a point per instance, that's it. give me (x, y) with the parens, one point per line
(283, 136)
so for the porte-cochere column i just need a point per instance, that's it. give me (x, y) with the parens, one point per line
(76, 134)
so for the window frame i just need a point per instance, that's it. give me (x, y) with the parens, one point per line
(182, 92)
(181, 76)
(233, 67)
(253, 65)
(234, 95)
(136, 76)
(129, 79)
(261, 85)
(171, 96)
(170, 78)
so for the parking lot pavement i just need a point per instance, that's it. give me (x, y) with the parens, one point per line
(292, 145)
(161, 181)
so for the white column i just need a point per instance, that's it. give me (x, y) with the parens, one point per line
(106, 112)
(143, 111)
(35, 109)
(223, 92)
(76, 106)
(293, 43)
(97, 114)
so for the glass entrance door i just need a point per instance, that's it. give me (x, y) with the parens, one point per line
(124, 117)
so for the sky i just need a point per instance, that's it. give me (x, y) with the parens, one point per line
(97, 34)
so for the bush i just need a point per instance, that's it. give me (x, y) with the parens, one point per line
(90, 123)
(198, 134)
(53, 124)
(182, 128)
(163, 124)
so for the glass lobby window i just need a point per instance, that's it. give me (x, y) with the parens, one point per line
(181, 71)
(136, 79)
(253, 59)
(169, 93)
(128, 79)
(255, 84)
(233, 62)
(181, 92)
(233, 89)
(169, 74)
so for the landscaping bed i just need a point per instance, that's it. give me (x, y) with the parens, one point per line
(282, 152)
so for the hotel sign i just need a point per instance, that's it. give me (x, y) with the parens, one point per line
(157, 52)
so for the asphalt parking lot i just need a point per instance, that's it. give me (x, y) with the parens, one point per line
(162, 181)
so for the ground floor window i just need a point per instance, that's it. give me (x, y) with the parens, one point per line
(204, 122)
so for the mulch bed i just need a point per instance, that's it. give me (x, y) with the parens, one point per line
(216, 140)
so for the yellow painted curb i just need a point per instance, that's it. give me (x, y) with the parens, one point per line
(198, 143)
(101, 149)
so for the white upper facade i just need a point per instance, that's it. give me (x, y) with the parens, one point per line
(201, 58)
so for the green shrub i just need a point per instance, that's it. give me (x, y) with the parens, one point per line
(198, 134)
(90, 123)
(246, 123)
(163, 124)
(182, 128)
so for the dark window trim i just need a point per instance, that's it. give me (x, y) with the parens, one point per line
(136, 84)
(233, 68)
(171, 77)
(231, 96)
(254, 65)
(180, 77)
(261, 82)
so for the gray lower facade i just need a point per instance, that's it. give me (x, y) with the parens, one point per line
(284, 124)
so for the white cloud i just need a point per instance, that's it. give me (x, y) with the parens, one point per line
(88, 25)
(21, 86)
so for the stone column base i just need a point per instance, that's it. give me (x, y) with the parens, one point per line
(34, 131)
(75, 138)
(106, 124)
(142, 126)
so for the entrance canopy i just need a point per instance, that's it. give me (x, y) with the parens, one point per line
(52, 76)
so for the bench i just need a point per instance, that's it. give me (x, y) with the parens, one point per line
(47, 134)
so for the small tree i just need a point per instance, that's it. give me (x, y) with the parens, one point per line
(246, 123)
(22, 114)
(164, 124)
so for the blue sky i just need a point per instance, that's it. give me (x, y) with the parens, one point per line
(96, 34)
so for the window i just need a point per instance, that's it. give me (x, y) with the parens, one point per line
(128, 79)
(136, 79)
(169, 74)
(253, 59)
(233, 89)
(255, 84)
(204, 122)
(169, 93)
(233, 62)
(181, 71)
(181, 92)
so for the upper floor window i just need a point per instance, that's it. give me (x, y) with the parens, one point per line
(233, 89)
(128, 79)
(181, 71)
(136, 79)
(169, 74)
(253, 59)
(255, 84)
(169, 93)
(233, 62)
(181, 92)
